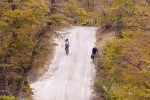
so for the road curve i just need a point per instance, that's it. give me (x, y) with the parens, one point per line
(69, 77)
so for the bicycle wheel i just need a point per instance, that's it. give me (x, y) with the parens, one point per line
(67, 51)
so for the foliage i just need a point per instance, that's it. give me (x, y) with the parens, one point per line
(124, 72)
(25, 29)
(7, 98)
(125, 68)
(128, 14)
(77, 15)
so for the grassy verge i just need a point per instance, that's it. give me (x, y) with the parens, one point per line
(123, 72)
(103, 36)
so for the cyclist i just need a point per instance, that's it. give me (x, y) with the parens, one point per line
(94, 52)
(67, 44)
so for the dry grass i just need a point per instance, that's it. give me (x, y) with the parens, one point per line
(103, 36)
(42, 63)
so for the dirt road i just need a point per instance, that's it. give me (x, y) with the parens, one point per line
(69, 77)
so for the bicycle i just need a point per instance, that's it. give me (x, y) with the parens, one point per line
(67, 49)
(93, 57)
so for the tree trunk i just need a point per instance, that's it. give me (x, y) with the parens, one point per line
(53, 9)
(30, 65)
(4, 69)
(3, 82)
(21, 81)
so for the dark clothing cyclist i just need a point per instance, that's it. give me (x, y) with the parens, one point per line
(66, 44)
(94, 51)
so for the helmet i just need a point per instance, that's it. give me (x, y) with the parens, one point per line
(66, 40)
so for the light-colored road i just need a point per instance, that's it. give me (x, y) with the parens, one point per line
(69, 77)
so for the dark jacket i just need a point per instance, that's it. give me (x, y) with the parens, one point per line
(94, 50)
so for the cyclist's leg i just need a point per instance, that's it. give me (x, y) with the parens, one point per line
(67, 49)
(93, 58)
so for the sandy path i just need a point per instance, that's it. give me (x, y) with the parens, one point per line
(69, 77)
